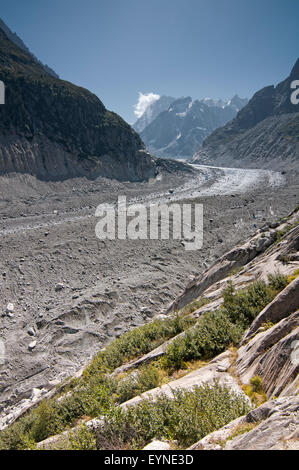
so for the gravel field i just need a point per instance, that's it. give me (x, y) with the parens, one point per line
(73, 293)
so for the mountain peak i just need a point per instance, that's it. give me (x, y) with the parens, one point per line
(295, 71)
(180, 105)
(152, 111)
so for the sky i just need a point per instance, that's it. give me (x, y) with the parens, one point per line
(129, 51)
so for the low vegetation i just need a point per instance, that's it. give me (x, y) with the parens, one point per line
(213, 333)
(95, 393)
(194, 305)
(187, 417)
(255, 390)
(138, 382)
(240, 429)
(216, 331)
(293, 276)
(137, 342)
(50, 417)
(82, 439)
(281, 233)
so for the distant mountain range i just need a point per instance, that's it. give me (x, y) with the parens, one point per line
(18, 42)
(177, 127)
(265, 133)
(152, 111)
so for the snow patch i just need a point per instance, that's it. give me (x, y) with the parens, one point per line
(144, 101)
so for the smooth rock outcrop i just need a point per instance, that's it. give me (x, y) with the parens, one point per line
(215, 370)
(276, 427)
(284, 303)
(270, 355)
(239, 256)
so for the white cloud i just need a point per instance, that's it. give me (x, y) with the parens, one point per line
(144, 101)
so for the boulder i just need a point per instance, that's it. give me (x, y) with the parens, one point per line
(32, 345)
(10, 309)
(157, 445)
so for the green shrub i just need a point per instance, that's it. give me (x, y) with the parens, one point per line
(127, 388)
(281, 233)
(257, 384)
(188, 417)
(243, 306)
(82, 439)
(148, 377)
(211, 336)
(137, 342)
(16, 437)
(267, 325)
(215, 331)
(255, 391)
(138, 382)
(277, 281)
(43, 423)
(51, 417)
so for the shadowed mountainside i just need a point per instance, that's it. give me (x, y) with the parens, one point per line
(55, 130)
(265, 133)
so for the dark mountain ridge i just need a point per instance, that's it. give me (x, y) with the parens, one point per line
(18, 42)
(266, 130)
(55, 130)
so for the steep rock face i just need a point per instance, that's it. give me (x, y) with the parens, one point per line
(54, 129)
(180, 130)
(264, 132)
(271, 356)
(235, 258)
(286, 302)
(259, 256)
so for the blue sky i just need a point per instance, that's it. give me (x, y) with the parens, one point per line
(200, 48)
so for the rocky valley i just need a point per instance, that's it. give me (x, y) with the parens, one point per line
(140, 344)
